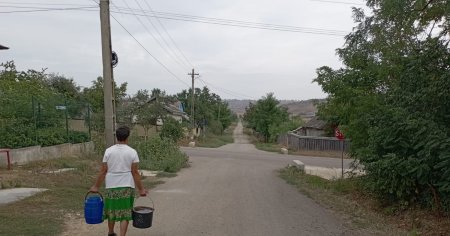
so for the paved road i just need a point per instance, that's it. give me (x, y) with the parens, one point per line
(235, 190)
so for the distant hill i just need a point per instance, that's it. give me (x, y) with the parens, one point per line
(307, 108)
(238, 106)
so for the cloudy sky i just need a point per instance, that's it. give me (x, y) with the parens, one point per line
(235, 62)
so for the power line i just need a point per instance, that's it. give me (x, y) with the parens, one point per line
(241, 24)
(219, 20)
(169, 50)
(229, 92)
(156, 59)
(224, 22)
(48, 9)
(338, 2)
(41, 3)
(170, 37)
(154, 37)
(164, 39)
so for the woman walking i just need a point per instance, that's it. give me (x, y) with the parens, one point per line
(120, 172)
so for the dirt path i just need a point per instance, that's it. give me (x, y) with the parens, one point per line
(230, 191)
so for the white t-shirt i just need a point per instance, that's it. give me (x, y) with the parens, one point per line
(119, 159)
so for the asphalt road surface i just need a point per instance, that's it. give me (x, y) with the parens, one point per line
(235, 190)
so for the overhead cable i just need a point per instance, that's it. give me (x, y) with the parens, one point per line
(169, 36)
(48, 9)
(156, 59)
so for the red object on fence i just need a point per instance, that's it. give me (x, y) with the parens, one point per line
(7, 156)
(338, 134)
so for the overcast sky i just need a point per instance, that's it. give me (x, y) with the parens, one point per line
(238, 63)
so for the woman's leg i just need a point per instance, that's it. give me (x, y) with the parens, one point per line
(123, 227)
(111, 226)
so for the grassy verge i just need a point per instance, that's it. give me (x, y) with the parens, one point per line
(362, 211)
(215, 141)
(44, 213)
(268, 147)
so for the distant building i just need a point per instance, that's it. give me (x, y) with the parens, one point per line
(315, 127)
(3, 47)
(174, 110)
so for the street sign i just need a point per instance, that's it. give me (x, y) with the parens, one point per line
(60, 107)
(338, 134)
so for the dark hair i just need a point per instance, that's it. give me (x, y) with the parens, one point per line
(122, 133)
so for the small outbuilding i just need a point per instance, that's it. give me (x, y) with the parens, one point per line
(315, 127)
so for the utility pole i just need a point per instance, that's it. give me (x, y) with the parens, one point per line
(107, 72)
(193, 74)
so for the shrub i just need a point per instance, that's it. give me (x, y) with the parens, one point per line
(215, 127)
(171, 129)
(160, 154)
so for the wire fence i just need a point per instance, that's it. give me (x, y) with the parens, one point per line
(30, 120)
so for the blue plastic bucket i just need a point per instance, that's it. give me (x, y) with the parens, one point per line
(93, 208)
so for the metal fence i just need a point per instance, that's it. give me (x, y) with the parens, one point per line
(309, 143)
(29, 120)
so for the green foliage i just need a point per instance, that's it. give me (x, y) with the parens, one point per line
(281, 128)
(94, 96)
(159, 154)
(209, 109)
(392, 99)
(266, 113)
(215, 127)
(28, 114)
(212, 140)
(172, 130)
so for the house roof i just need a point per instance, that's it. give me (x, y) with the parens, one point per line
(315, 123)
(3, 47)
(173, 109)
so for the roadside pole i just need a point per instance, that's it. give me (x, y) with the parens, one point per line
(340, 136)
(342, 158)
(107, 72)
(194, 130)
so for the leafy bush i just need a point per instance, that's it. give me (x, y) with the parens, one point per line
(171, 129)
(281, 128)
(159, 154)
(215, 127)
(78, 137)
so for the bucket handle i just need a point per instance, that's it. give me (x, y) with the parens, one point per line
(153, 203)
(90, 192)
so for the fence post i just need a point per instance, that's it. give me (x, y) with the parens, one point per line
(89, 121)
(34, 118)
(67, 121)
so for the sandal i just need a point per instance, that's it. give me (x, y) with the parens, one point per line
(112, 234)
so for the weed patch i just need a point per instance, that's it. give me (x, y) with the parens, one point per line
(363, 210)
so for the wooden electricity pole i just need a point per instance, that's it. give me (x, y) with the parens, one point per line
(193, 74)
(107, 72)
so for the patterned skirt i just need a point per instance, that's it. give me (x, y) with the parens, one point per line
(118, 204)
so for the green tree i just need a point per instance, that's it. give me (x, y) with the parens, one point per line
(392, 99)
(209, 109)
(94, 96)
(264, 114)
(276, 130)
(28, 114)
(171, 129)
